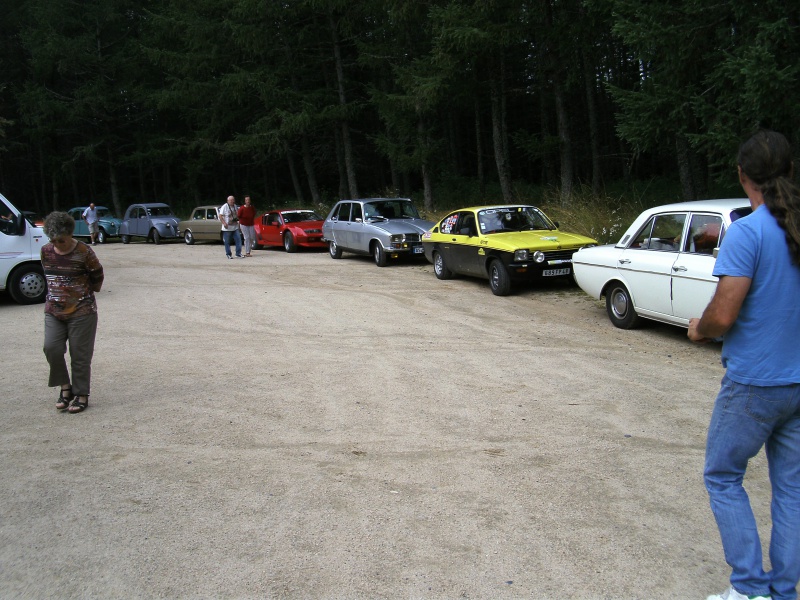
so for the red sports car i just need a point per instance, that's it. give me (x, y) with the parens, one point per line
(290, 228)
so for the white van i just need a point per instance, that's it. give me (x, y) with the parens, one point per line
(21, 272)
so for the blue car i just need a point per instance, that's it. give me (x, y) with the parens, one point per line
(108, 224)
(152, 221)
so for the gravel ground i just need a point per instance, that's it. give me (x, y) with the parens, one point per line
(289, 426)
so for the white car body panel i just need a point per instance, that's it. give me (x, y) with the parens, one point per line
(672, 286)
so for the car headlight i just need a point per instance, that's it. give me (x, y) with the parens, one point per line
(521, 255)
(398, 238)
(538, 256)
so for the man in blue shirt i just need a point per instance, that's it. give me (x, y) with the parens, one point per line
(756, 307)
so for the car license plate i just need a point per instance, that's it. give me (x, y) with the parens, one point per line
(419, 250)
(554, 272)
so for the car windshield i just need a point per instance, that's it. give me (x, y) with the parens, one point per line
(390, 209)
(738, 213)
(104, 212)
(512, 218)
(159, 211)
(296, 216)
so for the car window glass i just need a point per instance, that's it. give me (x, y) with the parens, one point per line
(199, 215)
(356, 216)
(211, 214)
(272, 219)
(661, 232)
(466, 224)
(343, 212)
(6, 219)
(448, 223)
(705, 232)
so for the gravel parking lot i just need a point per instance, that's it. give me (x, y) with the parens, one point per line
(290, 426)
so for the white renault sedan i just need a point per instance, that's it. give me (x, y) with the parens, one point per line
(661, 268)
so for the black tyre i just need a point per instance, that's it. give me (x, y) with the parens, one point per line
(188, 237)
(125, 239)
(288, 242)
(101, 236)
(156, 236)
(499, 280)
(334, 250)
(27, 285)
(439, 266)
(379, 255)
(619, 307)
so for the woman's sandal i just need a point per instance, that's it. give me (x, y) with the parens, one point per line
(63, 401)
(77, 406)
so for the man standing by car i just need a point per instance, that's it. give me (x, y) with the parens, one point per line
(755, 307)
(247, 215)
(230, 227)
(90, 216)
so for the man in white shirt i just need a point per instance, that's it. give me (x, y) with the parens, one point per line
(90, 216)
(230, 227)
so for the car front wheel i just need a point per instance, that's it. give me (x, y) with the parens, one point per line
(288, 242)
(156, 237)
(188, 238)
(499, 280)
(334, 250)
(439, 266)
(125, 239)
(101, 236)
(619, 306)
(28, 285)
(378, 254)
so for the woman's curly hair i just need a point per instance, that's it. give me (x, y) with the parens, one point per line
(58, 224)
(766, 159)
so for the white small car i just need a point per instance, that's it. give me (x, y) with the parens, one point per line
(21, 273)
(661, 268)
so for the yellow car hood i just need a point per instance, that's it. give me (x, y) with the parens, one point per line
(536, 240)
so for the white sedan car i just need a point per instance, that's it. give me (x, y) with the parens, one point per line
(661, 268)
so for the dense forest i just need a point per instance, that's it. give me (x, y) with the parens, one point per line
(307, 101)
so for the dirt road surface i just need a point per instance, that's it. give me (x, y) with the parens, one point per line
(292, 426)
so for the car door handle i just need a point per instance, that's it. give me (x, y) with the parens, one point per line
(624, 261)
(677, 269)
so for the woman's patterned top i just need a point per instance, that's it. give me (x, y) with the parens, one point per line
(71, 281)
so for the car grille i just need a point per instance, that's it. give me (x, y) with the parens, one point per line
(412, 237)
(559, 256)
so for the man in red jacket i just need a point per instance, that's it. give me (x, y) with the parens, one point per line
(247, 215)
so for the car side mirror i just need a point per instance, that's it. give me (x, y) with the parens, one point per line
(556, 224)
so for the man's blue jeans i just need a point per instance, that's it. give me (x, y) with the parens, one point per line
(226, 239)
(745, 418)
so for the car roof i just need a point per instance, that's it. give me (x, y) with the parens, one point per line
(96, 206)
(149, 204)
(495, 206)
(374, 199)
(715, 205)
(283, 210)
(206, 206)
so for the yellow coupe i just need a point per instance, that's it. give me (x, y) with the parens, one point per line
(504, 244)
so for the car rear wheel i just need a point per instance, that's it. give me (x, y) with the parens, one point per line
(619, 306)
(156, 236)
(101, 236)
(499, 280)
(288, 242)
(125, 239)
(334, 250)
(378, 254)
(188, 237)
(28, 285)
(439, 266)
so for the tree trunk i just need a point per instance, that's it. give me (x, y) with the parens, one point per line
(337, 135)
(594, 130)
(500, 158)
(683, 154)
(564, 146)
(308, 164)
(424, 142)
(112, 182)
(349, 160)
(298, 191)
(479, 149)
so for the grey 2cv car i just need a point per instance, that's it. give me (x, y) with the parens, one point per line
(381, 227)
(154, 221)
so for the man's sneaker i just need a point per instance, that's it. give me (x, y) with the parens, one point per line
(229, 256)
(732, 594)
